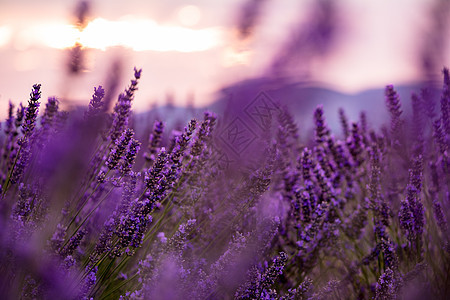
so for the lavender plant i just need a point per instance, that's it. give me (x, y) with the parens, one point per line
(85, 214)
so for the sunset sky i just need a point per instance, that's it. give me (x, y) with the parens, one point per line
(189, 48)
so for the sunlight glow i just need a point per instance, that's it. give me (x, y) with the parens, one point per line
(189, 15)
(143, 35)
(5, 35)
(136, 34)
(54, 35)
(57, 36)
(233, 57)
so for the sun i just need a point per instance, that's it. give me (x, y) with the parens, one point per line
(132, 33)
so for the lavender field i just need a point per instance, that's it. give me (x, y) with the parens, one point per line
(280, 189)
(88, 211)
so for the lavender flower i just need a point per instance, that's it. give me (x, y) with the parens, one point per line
(412, 214)
(355, 144)
(386, 286)
(131, 228)
(31, 289)
(249, 17)
(363, 122)
(154, 140)
(260, 283)
(57, 240)
(394, 106)
(356, 222)
(123, 107)
(21, 161)
(390, 257)
(51, 109)
(445, 103)
(344, 122)
(20, 113)
(322, 130)
(117, 152)
(440, 217)
(88, 283)
(130, 157)
(9, 132)
(177, 243)
(48, 119)
(96, 106)
(307, 164)
(441, 141)
(202, 136)
(377, 203)
(73, 243)
(10, 120)
(32, 110)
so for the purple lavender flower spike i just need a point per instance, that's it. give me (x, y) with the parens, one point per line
(181, 144)
(439, 136)
(355, 145)
(32, 110)
(322, 130)
(48, 119)
(259, 283)
(153, 141)
(377, 202)
(446, 74)
(122, 108)
(202, 136)
(344, 122)
(155, 174)
(96, 105)
(51, 109)
(363, 122)
(20, 113)
(386, 286)
(9, 133)
(250, 13)
(137, 73)
(412, 214)
(120, 116)
(117, 152)
(440, 217)
(131, 228)
(389, 253)
(306, 164)
(10, 121)
(445, 104)
(73, 243)
(88, 283)
(130, 157)
(394, 106)
(57, 240)
(22, 160)
(441, 140)
(356, 222)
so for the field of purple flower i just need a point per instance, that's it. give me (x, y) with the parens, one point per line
(87, 211)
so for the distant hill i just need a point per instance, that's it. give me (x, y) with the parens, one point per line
(245, 108)
(300, 99)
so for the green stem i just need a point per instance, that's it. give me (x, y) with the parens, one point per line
(119, 286)
(6, 184)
